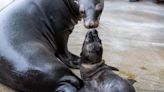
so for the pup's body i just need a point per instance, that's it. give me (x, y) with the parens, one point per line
(97, 76)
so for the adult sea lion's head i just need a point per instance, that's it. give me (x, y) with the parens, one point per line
(90, 11)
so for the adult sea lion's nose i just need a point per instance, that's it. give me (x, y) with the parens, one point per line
(91, 24)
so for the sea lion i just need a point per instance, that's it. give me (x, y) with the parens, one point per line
(33, 50)
(97, 76)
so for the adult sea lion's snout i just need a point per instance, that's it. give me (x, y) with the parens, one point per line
(92, 48)
(90, 11)
(88, 23)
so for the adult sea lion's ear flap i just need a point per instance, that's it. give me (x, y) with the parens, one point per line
(131, 81)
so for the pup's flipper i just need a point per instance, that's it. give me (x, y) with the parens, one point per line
(112, 68)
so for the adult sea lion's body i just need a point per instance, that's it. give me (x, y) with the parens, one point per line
(33, 46)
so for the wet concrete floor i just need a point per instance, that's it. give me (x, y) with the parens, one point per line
(133, 39)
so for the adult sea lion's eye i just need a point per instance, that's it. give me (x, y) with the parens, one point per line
(82, 13)
(99, 7)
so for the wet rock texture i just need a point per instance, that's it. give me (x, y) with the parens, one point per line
(133, 41)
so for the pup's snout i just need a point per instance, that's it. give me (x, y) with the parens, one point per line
(92, 32)
(92, 35)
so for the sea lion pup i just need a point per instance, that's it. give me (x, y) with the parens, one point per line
(97, 76)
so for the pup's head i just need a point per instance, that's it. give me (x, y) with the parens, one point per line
(90, 11)
(92, 48)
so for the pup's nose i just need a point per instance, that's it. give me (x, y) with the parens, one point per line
(89, 36)
(95, 36)
(92, 32)
(92, 35)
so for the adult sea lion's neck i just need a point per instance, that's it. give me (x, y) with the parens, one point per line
(73, 7)
(65, 7)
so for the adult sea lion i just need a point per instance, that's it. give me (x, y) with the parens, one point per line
(33, 44)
